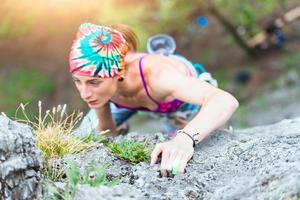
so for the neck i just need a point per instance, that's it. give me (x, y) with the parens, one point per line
(124, 86)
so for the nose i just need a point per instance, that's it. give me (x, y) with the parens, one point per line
(85, 93)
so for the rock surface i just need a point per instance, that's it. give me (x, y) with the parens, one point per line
(119, 192)
(20, 162)
(255, 163)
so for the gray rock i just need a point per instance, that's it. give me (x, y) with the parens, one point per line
(20, 162)
(119, 192)
(255, 163)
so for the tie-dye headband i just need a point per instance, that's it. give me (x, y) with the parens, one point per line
(98, 51)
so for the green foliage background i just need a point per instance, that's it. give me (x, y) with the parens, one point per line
(23, 86)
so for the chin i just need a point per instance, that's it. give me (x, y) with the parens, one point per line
(95, 106)
(91, 107)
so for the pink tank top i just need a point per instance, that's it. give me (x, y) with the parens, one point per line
(162, 107)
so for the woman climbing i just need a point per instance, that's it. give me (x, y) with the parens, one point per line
(116, 81)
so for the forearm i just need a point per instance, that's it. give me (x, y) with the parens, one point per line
(106, 121)
(212, 115)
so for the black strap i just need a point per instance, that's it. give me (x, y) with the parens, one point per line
(182, 131)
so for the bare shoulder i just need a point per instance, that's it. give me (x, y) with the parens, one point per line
(161, 73)
(166, 80)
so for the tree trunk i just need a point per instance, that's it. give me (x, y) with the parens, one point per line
(230, 28)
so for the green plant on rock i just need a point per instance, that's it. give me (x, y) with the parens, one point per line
(132, 151)
(92, 138)
(54, 131)
(94, 176)
(53, 170)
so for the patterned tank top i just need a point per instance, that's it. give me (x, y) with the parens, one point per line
(162, 107)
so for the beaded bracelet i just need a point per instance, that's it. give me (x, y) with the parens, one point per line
(192, 137)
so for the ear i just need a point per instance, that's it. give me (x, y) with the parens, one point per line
(121, 78)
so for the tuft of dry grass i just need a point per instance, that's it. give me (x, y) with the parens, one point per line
(54, 131)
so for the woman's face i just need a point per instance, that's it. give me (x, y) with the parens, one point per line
(95, 91)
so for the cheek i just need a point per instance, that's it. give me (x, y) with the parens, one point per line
(109, 86)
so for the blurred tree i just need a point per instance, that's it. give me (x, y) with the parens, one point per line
(228, 26)
(173, 16)
(284, 4)
(248, 13)
(146, 17)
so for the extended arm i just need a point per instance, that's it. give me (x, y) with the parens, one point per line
(106, 121)
(217, 106)
(216, 109)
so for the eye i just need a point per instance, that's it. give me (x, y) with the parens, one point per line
(76, 81)
(95, 83)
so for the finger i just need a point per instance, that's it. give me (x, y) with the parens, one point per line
(170, 163)
(164, 161)
(176, 163)
(183, 165)
(155, 153)
(122, 129)
(107, 131)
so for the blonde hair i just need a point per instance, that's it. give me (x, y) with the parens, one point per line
(129, 35)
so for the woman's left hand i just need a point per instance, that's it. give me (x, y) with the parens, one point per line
(175, 154)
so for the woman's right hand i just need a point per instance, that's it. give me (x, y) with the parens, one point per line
(123, 129)
(106, 121)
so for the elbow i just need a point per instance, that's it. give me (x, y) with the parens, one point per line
(225, 100)
(231, 101)
(235, 103)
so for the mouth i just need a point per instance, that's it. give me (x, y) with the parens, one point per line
(92, 102)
